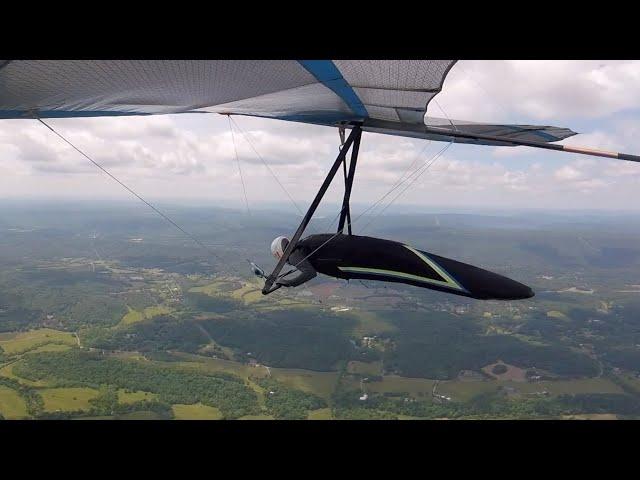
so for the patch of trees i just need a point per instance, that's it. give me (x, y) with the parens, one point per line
(539, 324)
(499, 369)
(295, 339)
(162, 410)
(347, 404)
(172, 385)
(492, 405)
(627, 358)
(441, 345)
(287, 403)
(32, 398)
(600, 403)
(15, 319)
(68, 277)
(185, 266)
(163, 333)
(208, 303)
(357, 413)
(14, 315)
(95, 310)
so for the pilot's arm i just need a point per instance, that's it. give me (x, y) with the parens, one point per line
(304, 267)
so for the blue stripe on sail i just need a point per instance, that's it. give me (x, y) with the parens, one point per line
(328, 74)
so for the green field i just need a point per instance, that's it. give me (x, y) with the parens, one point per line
(196, 411)
(464, 391)
(131, 317)
(219, 286)
(135, 316)
(249, 293)
(583, 385)
(415, 387)
(591, 416)
(67, 399)
(256, 417)
(16, 343)
(12, 406)
(142, 415)
(320, 414)
(51, 347)
(321, 383)
(212, 365)
(362, 368)
(369, 324)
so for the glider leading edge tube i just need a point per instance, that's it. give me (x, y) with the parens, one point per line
(528, 143)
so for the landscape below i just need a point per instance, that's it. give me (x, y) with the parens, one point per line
(111, 314)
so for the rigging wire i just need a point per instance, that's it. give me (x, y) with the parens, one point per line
(455, 128)
(402, 178)
(235, 148)
(417, 172)
(273, 174)
(416, 177)
(130, 190)
(246, 137)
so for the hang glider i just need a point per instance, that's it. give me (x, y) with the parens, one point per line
(383, 96)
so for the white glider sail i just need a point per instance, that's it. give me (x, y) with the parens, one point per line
(312, 91)
(384, 96)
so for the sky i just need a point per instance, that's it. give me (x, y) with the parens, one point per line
(191, 157)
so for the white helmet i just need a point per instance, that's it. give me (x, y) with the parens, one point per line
(278, 246)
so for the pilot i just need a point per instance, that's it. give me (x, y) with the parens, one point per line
(369, 258)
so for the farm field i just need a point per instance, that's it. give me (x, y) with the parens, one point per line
(135, 316)
(21, 342)
(67, 399)
(416, 387)
(12, 405)
(196, 412)
(320, 414)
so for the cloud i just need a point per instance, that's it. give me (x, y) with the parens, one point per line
(568, 173)
(539, 90)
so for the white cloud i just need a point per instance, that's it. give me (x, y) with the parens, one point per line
(568, 173)
(539, 90)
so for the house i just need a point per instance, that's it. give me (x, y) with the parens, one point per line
(368, 341)
(442, 397)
